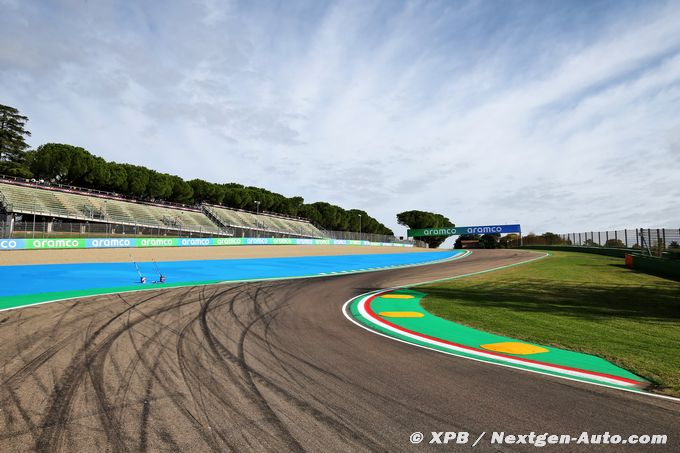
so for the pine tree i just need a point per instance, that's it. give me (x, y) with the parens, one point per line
(12, 134)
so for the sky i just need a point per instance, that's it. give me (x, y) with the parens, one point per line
(559, 115)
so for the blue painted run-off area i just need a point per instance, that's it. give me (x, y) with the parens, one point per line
(33, 279)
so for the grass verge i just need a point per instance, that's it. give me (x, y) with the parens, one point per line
(582, 302)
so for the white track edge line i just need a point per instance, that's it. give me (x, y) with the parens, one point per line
(354, 321)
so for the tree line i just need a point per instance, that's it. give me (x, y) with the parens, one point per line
(423, 219)
(75, 166)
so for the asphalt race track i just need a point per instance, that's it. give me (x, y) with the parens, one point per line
(276, 366)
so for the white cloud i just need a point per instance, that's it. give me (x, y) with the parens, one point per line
(483, 115)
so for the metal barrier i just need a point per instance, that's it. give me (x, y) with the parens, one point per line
(29, 229)
(355, 236)
(56, 229)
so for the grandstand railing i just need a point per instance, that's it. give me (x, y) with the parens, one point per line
(41, 229)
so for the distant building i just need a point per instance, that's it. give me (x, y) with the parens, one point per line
(470, 244)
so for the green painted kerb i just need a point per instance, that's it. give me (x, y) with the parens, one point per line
(7, 302)
(443, 329)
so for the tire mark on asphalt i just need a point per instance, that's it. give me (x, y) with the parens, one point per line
(56, 417)
(260, 401)
(331, 423)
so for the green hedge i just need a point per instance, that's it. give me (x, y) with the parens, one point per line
(617, 252)
(664, 267)
(657, 266)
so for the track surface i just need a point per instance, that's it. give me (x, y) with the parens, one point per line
(274, 366)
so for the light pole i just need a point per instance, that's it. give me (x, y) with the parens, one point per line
(359, 226)
(257, 206)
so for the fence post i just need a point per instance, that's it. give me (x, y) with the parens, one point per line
(663, 231)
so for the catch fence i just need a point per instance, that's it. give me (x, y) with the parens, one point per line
(653, 241)
(355, 236)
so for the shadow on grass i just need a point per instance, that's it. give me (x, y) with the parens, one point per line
(593, 302)
(639, 272)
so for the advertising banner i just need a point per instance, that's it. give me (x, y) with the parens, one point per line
(55, 243)
(454, 231)
(157, 242)
(110, 243)
(12, 244)
(229, 241)
(104, 243)
(259, 241)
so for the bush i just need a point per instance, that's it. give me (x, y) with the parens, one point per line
(614, 243)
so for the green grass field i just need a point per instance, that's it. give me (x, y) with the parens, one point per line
(578, 301)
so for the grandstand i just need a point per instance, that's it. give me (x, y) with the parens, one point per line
(285, 226)
(75, 205)
(67, 204)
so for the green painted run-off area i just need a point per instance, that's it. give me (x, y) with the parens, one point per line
(439, 328)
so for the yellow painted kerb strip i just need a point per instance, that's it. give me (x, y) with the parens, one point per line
(513, 347)
(401, 314)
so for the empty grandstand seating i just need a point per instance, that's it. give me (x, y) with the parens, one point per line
(262, 222)
(33, 200)
(71, 204)
(54, 203)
